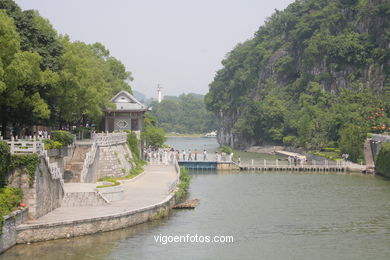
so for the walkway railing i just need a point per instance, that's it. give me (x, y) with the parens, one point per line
(173, 185)
(26, 146)
(89, 159)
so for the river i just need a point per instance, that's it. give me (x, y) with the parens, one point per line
(270, 215)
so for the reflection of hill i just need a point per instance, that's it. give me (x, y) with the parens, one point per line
(96, 246)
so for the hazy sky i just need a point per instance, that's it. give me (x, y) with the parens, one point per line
(176, 43)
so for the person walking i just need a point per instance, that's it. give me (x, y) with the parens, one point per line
(189, 155)
(196, 155)
(184, 155)
(204, 155)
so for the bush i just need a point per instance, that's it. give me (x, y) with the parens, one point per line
(10, 199)
(289, 140)
(183, 185)
(382, 162)
(50, 144)
(132, 141)
(29, 162)
(352, 141)
(225, 149)
(5, 160)
(64, 137)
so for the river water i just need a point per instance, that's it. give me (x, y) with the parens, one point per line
(271, 215)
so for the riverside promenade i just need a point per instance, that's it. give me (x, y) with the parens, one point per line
(143, 196)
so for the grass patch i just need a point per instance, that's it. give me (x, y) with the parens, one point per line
(329, 154)
(108, 179)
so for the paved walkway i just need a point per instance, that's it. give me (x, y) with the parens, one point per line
(149, 189)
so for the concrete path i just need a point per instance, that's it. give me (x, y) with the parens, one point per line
(149, 189)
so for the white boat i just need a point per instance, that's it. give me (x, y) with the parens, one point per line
(212, 134)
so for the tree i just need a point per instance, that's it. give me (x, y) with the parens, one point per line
(352, 139)
(153, 135)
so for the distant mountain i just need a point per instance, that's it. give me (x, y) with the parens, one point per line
(140, 97)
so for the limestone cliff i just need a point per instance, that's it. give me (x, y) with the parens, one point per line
(314, 45)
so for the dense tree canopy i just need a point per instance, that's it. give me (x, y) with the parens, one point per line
(312, 70)
(184, 114)
(47, 79)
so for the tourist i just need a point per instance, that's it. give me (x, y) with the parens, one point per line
(189, 155)
(295, 161)
(204, 155)
(239, 159)
(184, 155)
(196, 155)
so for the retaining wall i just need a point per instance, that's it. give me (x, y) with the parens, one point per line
(41, 232)
(8, 237)
(44, 195)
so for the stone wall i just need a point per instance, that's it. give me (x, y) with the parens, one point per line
(41, 232)
(113, 161)
(8, 236)
(44, 195)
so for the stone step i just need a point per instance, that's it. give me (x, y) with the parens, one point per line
(83, 199)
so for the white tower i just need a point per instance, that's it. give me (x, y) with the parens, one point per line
(159, 96)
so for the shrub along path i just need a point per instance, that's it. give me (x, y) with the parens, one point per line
(148, 189)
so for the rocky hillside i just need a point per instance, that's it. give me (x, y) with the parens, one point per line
(313, 70)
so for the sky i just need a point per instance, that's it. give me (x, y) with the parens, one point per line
(178, 44)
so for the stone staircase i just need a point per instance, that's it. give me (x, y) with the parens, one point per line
(83, 199)
(74, 166)
(369, 157)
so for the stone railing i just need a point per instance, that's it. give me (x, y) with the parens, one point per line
(173, 185)
(89, 159)
(107, 139)
(25, 146)
(54, 170)
(32, 145)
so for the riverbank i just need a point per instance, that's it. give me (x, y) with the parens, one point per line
(143, 198)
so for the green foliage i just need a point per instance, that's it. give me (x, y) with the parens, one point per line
(225, 149)
(289, 140)
(184, 114)
(153, 135)
(64, 137)
(382, 162)
(304, 74)
(28, 162)
(132, 141)
(45, 79)
(183, 185)
(10, 199)
(50, 144)
(161, 213)
(5, 160)
(352, 139)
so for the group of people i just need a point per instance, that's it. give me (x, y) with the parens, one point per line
(188, 156)
(295, 160)
(43, 134)
(345, 157)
